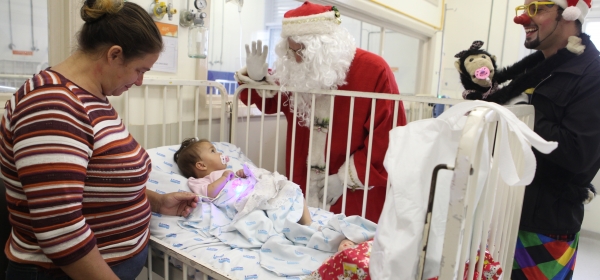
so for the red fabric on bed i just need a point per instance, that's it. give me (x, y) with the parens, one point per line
(351, 263)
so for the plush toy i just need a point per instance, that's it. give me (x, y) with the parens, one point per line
(477, 68)
(481, 79)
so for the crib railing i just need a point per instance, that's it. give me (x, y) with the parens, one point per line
(9, 83)
(415, 108)
(209, 100)
(493, 228)
(419, 110)
(185, 262)
(490, 222)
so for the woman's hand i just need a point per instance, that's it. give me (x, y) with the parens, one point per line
(175, 204)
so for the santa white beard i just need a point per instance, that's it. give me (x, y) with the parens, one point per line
(326, 59)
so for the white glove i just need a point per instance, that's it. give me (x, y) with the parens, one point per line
(334, 189)
(256, 61)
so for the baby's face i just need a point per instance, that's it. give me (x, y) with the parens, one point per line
(346, 244)
(211, 158)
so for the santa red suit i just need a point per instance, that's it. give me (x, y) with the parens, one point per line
(367, 72)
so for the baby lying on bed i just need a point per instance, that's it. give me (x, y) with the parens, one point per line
(207, 171)
(254, 212)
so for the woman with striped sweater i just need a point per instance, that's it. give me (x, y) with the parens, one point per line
(75, 178)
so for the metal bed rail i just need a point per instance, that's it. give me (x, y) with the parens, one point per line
(165, 252)
(489, 220)
(493, 228)
(214, 90)
(418, 108)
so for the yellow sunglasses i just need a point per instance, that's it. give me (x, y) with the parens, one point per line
(531, 8)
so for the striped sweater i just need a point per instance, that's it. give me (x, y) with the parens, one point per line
(74, 176)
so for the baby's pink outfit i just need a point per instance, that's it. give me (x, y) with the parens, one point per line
(200, 185)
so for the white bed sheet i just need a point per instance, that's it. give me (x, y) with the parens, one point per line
(287, 251)
(242, 263)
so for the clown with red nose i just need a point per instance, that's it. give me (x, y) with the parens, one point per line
(563, 87)
(573, 10)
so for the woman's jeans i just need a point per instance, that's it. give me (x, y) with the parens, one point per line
(126, 270)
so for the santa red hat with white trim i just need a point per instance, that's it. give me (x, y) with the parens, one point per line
(310, 18)
(574, 9)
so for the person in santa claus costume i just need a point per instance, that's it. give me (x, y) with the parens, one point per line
(316, 53)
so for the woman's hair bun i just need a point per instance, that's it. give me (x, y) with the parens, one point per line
(93, 10)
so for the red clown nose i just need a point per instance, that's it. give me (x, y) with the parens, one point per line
(523, 19)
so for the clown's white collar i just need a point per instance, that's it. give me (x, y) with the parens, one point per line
(575, 45)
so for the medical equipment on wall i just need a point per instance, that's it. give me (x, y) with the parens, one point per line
(198, 33)
(159, 9)
(187, 16)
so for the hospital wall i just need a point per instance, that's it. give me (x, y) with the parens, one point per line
(24, 28)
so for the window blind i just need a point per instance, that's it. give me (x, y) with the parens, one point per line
(274, 10)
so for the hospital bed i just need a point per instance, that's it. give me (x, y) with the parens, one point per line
(220, 118)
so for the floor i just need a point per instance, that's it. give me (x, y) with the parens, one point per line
(588, 257)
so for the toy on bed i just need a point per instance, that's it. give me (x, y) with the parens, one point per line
(351, 262)
(492, 270)
(483, 81)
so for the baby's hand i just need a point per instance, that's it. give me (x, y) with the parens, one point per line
(229, 175)
(240, 173)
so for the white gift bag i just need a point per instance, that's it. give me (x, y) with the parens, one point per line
(413, 153)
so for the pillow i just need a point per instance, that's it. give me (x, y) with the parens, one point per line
(166, 177)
